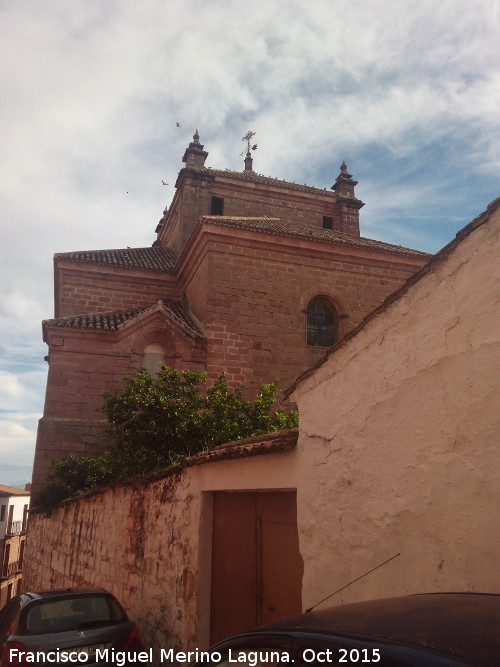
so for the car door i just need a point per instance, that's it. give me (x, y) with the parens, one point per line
(8, 624)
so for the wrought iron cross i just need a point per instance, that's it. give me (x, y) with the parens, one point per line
(248, 138)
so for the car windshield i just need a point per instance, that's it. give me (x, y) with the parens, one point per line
(49, 616)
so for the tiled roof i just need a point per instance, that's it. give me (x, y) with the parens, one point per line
(112, 320)
(253, 177)
(101, 321)
(271, 443)
(12, 491)
(302, 231)
(154, 258)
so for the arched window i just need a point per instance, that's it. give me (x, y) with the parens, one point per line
(154, 356)
(321, 323)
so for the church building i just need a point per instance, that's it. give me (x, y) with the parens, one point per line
(249, 276)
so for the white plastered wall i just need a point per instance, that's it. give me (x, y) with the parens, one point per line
(399, 439)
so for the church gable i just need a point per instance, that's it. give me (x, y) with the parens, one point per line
(90, 354)
(96, 350)
(175, 318)
(166, 332)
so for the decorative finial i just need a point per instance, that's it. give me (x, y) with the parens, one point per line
(194, 155)
(344, 185)
(248, 157)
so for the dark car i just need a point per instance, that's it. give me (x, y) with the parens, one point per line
(61, 625)
(431, 629)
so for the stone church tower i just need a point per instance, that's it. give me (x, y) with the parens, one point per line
(249, 276)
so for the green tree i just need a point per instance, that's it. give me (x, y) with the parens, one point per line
(157, 420)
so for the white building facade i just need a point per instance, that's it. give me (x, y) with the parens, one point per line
(14, 507)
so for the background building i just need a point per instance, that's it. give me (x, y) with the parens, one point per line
(14, 506)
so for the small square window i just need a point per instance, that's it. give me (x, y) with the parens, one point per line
(217, 206)
(327, 222)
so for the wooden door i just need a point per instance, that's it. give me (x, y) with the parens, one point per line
(256, 564)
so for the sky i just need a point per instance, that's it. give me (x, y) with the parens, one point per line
(406, 92)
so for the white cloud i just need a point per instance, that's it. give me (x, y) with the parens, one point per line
(20, 390)
(14, 430)
(17, 446)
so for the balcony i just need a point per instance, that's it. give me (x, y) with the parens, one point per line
(14, 528)
(10, 569)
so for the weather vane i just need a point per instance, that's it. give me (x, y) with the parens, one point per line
(248, 138)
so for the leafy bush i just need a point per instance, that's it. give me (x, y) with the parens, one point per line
(73, 476)
(157, 420)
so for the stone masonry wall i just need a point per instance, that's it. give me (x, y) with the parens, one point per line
(92, 289)
(251, 199)
(83, 365)
(255, 308)
(81, 368)
(260, 200)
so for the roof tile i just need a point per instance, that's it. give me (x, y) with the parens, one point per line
(99, 321)
(111, 321)
(303, 231)
(154, 258)
(12, 491)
